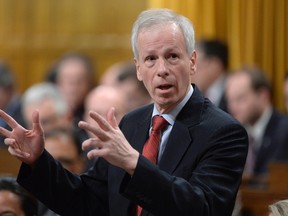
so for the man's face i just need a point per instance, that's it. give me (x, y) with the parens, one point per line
(208, 71)
(202, 71)
(10, 204)
(102, 99)
(73, 82)
(243, 101)
(64, 150)
(164, 65)
(49, 117)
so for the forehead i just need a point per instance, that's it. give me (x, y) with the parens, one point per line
(61, 145)
(72, 67)
(239, 79)
(154, 36)
(9, 200)
(238, 85)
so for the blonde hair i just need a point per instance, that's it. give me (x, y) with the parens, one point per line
(279, 208)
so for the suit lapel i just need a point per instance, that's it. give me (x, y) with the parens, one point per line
(180, 139)
(142, 131)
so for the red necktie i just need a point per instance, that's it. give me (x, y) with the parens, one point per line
(151, 147)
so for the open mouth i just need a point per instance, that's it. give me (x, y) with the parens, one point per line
(164, 87)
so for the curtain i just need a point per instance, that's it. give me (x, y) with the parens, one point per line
(256, 32)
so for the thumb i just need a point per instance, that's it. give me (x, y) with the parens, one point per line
(111, 117)
(36, 125)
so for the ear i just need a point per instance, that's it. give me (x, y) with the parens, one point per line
(139, 76)
(193, 63)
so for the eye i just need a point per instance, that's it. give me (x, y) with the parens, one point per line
(173, 56)
(150, 60)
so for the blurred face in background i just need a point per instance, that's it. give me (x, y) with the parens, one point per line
(244, 103)
(73, 81)
(63, 148)
(101, 99)
(49, 117)
(10, 204)
(207, 71)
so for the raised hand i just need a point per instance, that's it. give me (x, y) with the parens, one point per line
(26, 145)
(109, 142)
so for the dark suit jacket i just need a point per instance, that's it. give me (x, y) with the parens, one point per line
(274, 145)
(223, 103)
(198, 174)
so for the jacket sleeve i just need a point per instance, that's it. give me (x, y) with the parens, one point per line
(62, 191)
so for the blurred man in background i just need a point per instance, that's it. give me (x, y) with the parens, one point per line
(212, 66)
(123, 75)
(9, 99)
(47, 98)
(249, 100)
(73, 73)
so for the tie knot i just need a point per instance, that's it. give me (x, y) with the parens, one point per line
(158, 123)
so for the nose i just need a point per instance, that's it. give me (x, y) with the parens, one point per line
(162, 68)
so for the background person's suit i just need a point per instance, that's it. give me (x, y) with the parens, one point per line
(274, 143)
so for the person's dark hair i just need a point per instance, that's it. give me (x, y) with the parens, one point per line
(286, 75)
(214, 48)
(51, 75)
(28, 203)
(258, 78)
(128, 71)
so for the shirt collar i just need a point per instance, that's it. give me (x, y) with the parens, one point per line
(171, 116)
(258, 129)
(214, 93)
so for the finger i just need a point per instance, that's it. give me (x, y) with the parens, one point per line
(94, 154)
(111, 117)
(10, 142)
(18, 153)
(91, 143)
(36, 125)
(100, 120)
(98, 132)
(8, 119)
(4, 132)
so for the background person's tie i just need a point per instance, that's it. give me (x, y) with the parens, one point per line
(151, 147)
(251, 158)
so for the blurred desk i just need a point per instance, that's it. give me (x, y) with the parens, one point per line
(256, 198)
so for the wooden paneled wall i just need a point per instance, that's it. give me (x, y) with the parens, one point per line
(34, 33)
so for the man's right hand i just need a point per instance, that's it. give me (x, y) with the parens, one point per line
(26, 145)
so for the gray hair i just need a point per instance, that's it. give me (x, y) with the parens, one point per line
(43, 91)
(153, 17)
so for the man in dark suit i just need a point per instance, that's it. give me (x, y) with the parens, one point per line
(201, 154)
(10, 100)
(212, 69)
(249, 100)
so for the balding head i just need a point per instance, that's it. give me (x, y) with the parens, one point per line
(102, 98)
